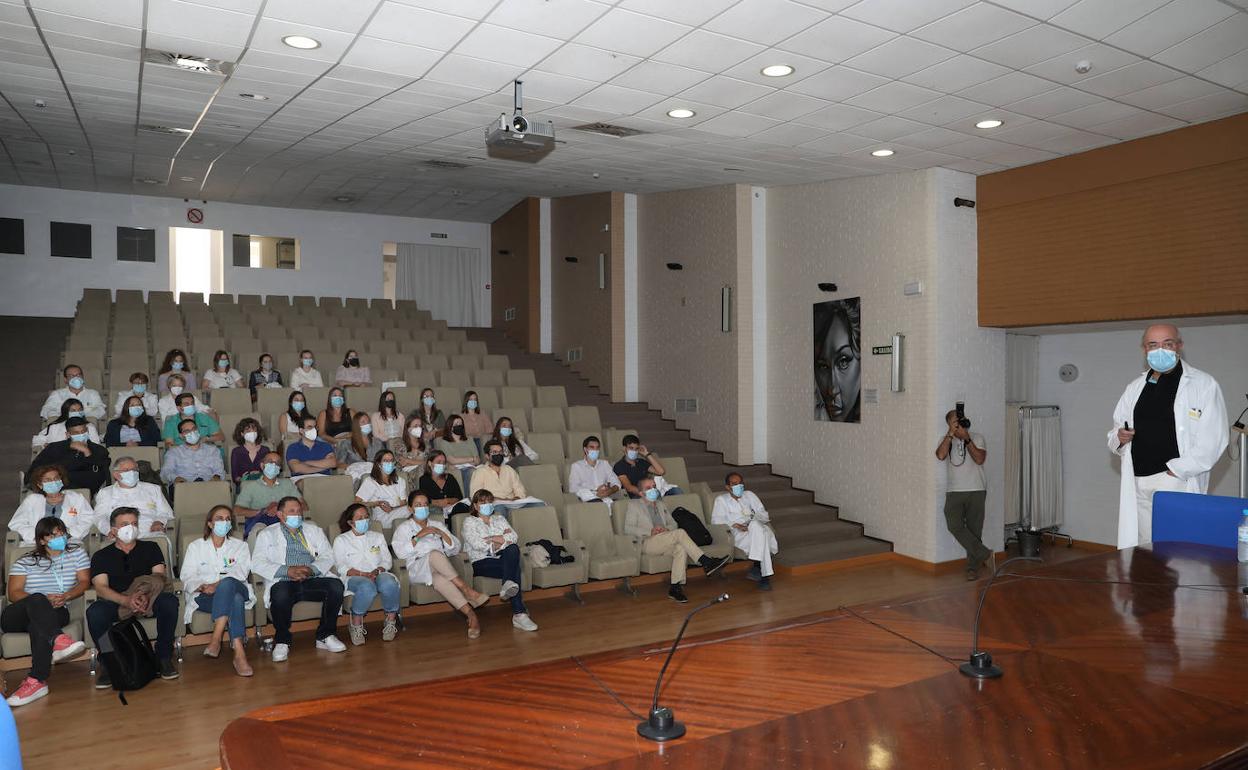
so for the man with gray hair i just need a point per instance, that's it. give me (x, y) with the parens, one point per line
(127, 491)
(1169, 429)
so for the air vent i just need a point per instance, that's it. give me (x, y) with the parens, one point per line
(686, 406)
(151, 129)
(509, 314)
(574, 355)
(188, 62)
(608, 129)
(445, 164)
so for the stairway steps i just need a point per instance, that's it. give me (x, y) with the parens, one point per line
(818, 553)
(819, 531)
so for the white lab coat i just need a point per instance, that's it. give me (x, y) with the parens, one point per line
(416, 555)
(269, 554)
(92, 406)
(203, 563)
(395, 494)
(758, 541)
(146, 498)
(364, 552)
(1201, 429)
(56, 432)
(33, 509)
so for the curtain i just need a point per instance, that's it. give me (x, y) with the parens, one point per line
(1041, 468)
(1022, 368)
(448, 281)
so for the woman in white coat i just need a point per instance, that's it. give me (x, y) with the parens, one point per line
(215, 572)
(48, 497)
(362, 560)
(384, 491)
(427, 547)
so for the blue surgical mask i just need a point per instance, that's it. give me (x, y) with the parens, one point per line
(632, 454)
(504, 432)
(52, 487)
(78, 437)
(138, 388)
(427, 401)
(366, 430)
(592, 454)
(336, 401)
(75, 382)
(135, 411)
(58, 543)
(294, 522)
(297, 406)
(387, 468)
(129, 478)
(307, 362)
(223, 363)
(652, 494)
(1162, 360)
(738, 490)
(191, 438)
(439, 468)
(361, 525)
(222, 528)
(176, 366)
(421, 512)
(472, 404)
(75, 413)
(188, 410)
(486, 509)
(271, 470)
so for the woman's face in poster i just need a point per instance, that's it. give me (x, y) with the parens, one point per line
(838, 370)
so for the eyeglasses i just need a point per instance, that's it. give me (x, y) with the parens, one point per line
(1168, 344)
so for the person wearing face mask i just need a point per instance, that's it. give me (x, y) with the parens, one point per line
(294, 559)
(1170, 428)
(206, 425)
(247, 457)
(362, 445)
(335, 420)
(412, 449)
(350, 374)
(518, 453)
(133, 428)
(113, 569)
(75, 387)
(216, 572)
(290, 422)
(127, 491)
(383, 491)
(442, 488)
(257, 499)
(167, 407)
(648, 520)
(492, 548)
(459, 449)
(49, 498)
(362, 560)
(85, 461)
(499, 479)
(427, 547)
(191, 460)
(592, 479)
(387, 420)
(175, 363)
(264, 376)
(55, 430)
(639, 463)
(138, 387)
(222, 374)
(41, 585)
(477, 421)
(310, 455)
(430, 415)
(306, 375)
(743, 512)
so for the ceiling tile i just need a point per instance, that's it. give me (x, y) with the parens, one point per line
(692, 12)
(893, 97)
(417, 26)
(127, 13)
(1203, 49)
(668, 79)
(903, 15)
(269, 32)
(765, 21)
(474, 73)
(751, 68)
(1007, 88)
(553, 18)
(899, 57)
(1134, 126)
(631, 33)
(197, 22)
(737, 124)
(1096, 114)
(932, 138)
(471, 9)
(888, 127)
(973, 26)
(585, 62)
(1209, 107)
(617, 100)
(784, 105)
(1054, 102)
(1231, 72)
(1168, 25)
(1103, 59)
(955, 74)
(396, 58)
(841, 143)
(725, 92)
(556, 88)
(1031, 46)
(1100, 18)
(789, 134)
(708, 51)
(327, 14)
(1124, 80)
(944, 110)
(837, 39)
(702, 113)
(1166, 94)
(838, 117)
(507, 46)
(838, 83)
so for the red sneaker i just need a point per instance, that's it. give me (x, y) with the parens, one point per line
(31, 690)
(64, 648)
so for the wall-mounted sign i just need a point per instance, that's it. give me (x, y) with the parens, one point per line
(194, 216)
(882, 350)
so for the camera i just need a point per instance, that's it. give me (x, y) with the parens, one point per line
(960, 409)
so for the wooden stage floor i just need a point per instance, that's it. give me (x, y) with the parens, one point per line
(1135, 658)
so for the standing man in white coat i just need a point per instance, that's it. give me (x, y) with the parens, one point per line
(1169, 429)
(751, 529)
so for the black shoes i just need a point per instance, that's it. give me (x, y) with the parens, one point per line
(103, 681)
(167, 671)
(764, 584)
(678, 594)
(755, 573)
(713, 565)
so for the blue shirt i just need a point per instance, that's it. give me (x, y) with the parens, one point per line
(304, 453)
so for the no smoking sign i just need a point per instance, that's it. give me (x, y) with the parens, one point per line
(194, 216)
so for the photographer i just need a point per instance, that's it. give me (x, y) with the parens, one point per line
(964, 453)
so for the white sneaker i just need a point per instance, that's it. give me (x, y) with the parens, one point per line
(331, 643)
(357, 634)
(280, 652)
(510, 589)
(523, 622)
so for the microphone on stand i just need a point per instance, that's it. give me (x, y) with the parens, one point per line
(662, 724)
(980, 665)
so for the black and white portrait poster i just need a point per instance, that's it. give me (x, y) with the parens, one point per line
(838, 360)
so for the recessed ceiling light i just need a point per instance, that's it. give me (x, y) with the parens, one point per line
(301, 41)
(149, 180)
(881, 153)
(187, 178)
(681, 112)
(343, 198)
(777, 70)
(990, 123)
(257, 97)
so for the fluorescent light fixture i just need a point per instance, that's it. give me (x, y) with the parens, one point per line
(301, 41)
(187, 178)
(343, 198)
(681, 112)
(777, 70)
(990, 123)
(257, 97)
(882, 153)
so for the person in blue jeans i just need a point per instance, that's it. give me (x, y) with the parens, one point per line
(362, 560)
(493, 550)
(215, 571)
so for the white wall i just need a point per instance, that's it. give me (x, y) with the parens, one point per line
(340, 253)
(1107, 361)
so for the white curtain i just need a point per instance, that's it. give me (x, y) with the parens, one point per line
(1022, 367)
(448, 281)
(1041, 467)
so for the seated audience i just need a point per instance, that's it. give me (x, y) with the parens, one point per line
(591, 479)
(334, 422)
(216, 576)
(222, 375)
(138, 387)
(175, 363)
(639, 463)
(85, 461)
(265, 376)
(499, 478)
(41, 585)
(430, 415)
(387, 420)
(459, 449)
(442, 488)
(741, 510)
(55, 430)
(476, 422)
(412, 449)
(294, 560)
(127, 491)
(247, 456)
(206, 426)
(362, 560)
(49, 498)
(310, 455)
(167, 406)
(134, 427)
(383, 491)
(518, 453)
(192, 459)
(290, 422)
(648, 520)
(130, 578)
(257, 499)
(492, 548)
(75, 387)
(306, 375)
(350, 374)
(428, 547)
(361, 445)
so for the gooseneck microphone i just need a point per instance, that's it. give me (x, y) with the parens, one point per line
(662, 724)
(980, 665)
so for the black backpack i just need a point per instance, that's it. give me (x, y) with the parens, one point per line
(127, 655)
(693, 526)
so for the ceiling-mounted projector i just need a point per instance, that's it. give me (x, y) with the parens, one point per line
(517, 137)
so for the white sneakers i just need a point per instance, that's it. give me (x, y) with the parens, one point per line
(523, 622)
(280, 652)
(510, 589)
(331, 643)
(357, 633)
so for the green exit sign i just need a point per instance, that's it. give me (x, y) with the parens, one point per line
(882, 350)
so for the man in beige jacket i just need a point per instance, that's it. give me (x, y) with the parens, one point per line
(647, 520)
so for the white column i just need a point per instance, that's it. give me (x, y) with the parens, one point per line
(544, 277)
(758, 310)
(630, 297)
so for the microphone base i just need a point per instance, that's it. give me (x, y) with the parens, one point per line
(661, 726)
(980, 666)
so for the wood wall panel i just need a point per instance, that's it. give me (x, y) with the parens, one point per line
(515, 276)
(1157, 227)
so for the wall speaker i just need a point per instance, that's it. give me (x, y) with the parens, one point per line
(570, 259)
(675, 266)
(827, 286)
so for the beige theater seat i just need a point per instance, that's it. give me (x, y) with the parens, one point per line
(541, 523)
(611, 556)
